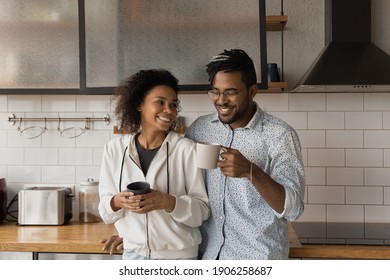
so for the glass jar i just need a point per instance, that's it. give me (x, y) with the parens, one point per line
(89, 202)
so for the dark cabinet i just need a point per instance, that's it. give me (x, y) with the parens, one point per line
(89, 46)
(39, 44)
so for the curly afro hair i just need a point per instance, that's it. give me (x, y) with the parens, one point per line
(130, 95)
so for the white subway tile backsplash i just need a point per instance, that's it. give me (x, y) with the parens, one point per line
(363, 120)
(386, 195)
(326, 157)
(3, 103)
(3, 138)
(386, 120)
(97, 155)
(196, 103)
(24, 174)
(272, 102)
(4, 123)
(326, 195)
(377, 214)
(307, 102)
(304, 153)
(326, 120)
(53, 138)
(41, 156)
(377, 139)
(16, 139)
(377, 176)
(374, 101)
(315, 176)
(58, 103)
(344, 139)
(312, 138)
(386, 155)
(11, 156)
(59, 174)
(364, 195)
(339, 176)
(93, 139)
(85, 172)
(93, 103)
(364, 158)
(24, 103)
(345, 213)
(3, 171)
(75, 156)
(298, 120)
(313, 213)
(345, 101)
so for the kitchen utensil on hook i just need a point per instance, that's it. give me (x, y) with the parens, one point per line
(74, 131)
(31, 132)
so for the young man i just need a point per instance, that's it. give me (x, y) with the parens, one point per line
(259, 183)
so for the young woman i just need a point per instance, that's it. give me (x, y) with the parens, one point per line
(162, 224)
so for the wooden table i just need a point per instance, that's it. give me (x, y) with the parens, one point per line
(71, 238)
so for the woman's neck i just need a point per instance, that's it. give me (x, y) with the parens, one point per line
(150, 141)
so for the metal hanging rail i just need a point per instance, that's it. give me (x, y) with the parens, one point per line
(13, 119)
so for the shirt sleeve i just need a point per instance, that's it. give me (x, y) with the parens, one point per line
(288, 170)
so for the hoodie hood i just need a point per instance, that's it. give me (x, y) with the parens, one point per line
(350, 62)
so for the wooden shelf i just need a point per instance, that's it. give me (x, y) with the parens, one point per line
(274, 88)
(276, 23)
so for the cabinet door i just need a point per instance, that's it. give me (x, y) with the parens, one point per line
(39, 44)
(123, 37)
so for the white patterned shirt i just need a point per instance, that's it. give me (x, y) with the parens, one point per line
(242, 225)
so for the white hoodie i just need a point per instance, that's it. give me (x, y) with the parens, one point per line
(157, 234)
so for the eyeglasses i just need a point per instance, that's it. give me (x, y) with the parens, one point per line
(213, 94)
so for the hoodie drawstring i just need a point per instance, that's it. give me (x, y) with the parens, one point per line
(123, 161)
(167, 167)
(120, 178)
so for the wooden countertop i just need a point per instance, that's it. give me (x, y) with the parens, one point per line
(70, 238)
(84, 238)
(364, 252)
(368, 252)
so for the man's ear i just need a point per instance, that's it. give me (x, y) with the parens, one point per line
(253, 91)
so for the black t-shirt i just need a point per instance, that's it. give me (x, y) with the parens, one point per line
(145, 156)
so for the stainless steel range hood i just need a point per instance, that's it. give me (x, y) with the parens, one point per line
(350, 62)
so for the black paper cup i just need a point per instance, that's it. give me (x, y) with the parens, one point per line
(138, 187)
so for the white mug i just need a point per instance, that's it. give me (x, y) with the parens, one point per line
(207, 155)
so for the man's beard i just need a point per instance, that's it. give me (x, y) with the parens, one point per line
(236, 115)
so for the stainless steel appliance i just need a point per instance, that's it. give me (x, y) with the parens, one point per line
(350, 62)
(45, 206)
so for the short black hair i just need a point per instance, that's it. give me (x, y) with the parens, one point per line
(231, 61)
(132, 92)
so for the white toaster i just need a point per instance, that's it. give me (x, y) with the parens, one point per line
(44, 206)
